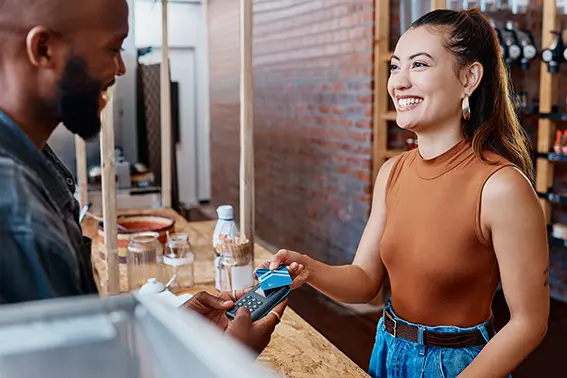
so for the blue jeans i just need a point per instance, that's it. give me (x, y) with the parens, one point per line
(395, 357)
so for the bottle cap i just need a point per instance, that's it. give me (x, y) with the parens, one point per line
(225, 212)
(153, 286)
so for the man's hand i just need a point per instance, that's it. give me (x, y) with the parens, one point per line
(211, 307)
(255, 335)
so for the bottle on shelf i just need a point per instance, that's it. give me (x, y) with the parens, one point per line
(564, 144)
(511, 45)
(519, 6)
(500, 37)
(501, 5)
(224, 229)
(488, 6)
(529, 50)
(555, 54)
(557, 145)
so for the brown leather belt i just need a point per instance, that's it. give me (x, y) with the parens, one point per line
(437, 339)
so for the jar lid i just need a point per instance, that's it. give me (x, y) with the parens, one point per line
(225, 212)
(152, 286)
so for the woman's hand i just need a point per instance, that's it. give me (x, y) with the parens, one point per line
(297, 265)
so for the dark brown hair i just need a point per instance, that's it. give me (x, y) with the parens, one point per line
(494, 123)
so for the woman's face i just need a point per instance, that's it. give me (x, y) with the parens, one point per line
(426, 92)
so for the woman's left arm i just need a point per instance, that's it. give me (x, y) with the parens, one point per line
(513, 217)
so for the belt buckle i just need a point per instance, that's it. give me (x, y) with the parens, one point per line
(393, 320)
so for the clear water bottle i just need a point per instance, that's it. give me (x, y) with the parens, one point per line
(178, 261)
(224, 229)
(144, 259)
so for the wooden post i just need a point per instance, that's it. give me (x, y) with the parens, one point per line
(109, 196)
(381, 97)
(81, 161)
(166, 145)
(246, 123)
(547, 96)
(438, 4)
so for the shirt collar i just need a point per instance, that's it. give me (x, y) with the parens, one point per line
(57, 179)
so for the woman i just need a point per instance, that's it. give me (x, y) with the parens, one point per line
(451, 219)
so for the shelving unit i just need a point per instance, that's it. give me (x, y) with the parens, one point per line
(546, 124)
(382, 54)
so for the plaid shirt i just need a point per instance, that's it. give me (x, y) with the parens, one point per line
(43, 253)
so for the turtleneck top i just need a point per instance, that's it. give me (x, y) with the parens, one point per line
(442, 270)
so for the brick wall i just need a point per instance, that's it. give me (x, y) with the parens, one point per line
(313, 106)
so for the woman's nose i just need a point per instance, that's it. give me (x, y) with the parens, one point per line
(401, 81)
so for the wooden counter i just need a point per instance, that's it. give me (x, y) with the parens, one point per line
(296, 348)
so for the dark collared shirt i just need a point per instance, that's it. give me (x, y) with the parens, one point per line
(42, 251)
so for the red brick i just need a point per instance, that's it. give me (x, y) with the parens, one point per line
(364, 123)
(365, 99)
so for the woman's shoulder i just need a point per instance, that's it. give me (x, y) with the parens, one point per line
(504, 178)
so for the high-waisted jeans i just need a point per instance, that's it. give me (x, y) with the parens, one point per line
(396, 357)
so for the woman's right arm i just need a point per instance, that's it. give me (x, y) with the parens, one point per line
(360, 281)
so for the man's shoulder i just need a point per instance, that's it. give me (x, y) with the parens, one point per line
(17, 179)
(23, 198)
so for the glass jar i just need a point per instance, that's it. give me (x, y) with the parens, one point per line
(144, 259)
(178, 261)
(236, 266)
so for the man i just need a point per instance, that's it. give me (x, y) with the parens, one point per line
(58, 59)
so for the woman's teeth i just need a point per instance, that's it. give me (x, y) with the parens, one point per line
(405, 102)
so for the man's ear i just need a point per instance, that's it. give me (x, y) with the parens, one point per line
(471, 77)
(41, 45)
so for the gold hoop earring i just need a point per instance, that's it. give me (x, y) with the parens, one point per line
(466, 108)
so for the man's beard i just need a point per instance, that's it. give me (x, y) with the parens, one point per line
(78, 103)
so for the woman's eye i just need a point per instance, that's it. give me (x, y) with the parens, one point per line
(393, 67)
(419, 64)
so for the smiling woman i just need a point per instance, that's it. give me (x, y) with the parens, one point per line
(451, 219)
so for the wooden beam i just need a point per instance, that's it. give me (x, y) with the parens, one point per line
(109, 196)
(82, 176)
(166, 139)
(438, 4)
(246, 123)
(547, 96)
(381, 98)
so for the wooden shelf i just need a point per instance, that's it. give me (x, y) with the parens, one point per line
(548, 86)
(554, 116)
(551, 156)
(555, 198)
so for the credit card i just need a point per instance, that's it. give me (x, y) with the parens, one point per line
(272, 279)
(262, 271)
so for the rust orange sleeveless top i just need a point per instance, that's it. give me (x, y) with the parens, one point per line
(442, 270)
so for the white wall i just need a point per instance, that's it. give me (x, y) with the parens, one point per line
(187, 30)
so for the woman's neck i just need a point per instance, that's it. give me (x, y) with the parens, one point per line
(434, 143)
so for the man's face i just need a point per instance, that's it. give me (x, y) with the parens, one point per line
(92, 64)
